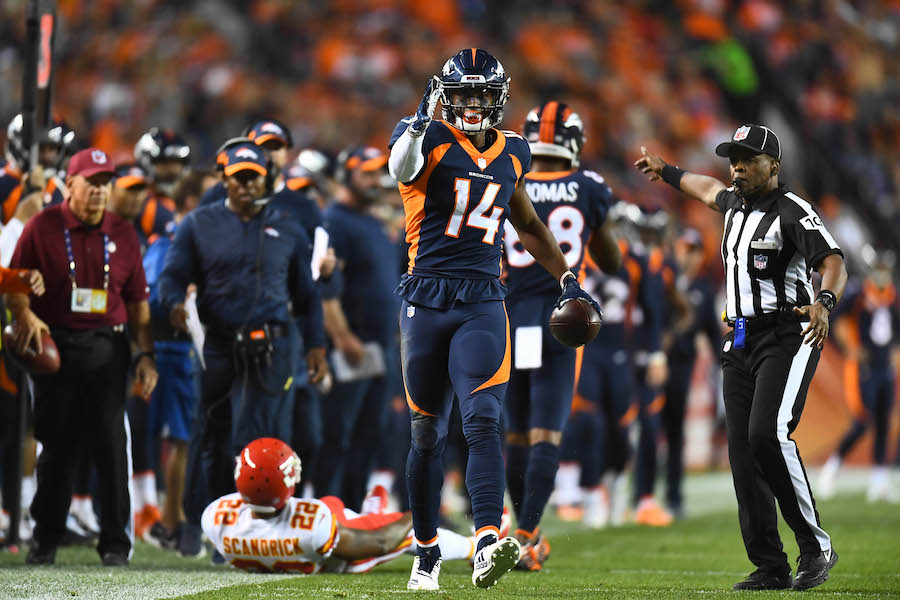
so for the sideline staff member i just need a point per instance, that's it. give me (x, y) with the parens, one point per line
(772, 239)
(95, 283)
(250, 262)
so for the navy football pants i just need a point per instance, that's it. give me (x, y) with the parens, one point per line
(463, 350)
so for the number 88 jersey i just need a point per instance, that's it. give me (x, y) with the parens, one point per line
(572, 204)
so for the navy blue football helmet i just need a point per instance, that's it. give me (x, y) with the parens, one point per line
(158, 146)
(554, 129)
(58, 136)
(474, 89)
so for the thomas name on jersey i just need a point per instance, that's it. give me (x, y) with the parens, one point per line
(554, 191)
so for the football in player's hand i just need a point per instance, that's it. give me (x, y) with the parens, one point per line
(43, 363)
(575, 323)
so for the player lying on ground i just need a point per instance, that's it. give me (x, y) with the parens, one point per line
(263, 528)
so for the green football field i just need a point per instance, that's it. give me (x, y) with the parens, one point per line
(700, 557)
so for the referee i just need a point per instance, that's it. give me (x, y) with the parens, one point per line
(772, 239)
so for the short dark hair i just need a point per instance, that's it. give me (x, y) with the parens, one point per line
(190, 185)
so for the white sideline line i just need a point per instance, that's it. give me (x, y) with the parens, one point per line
(708, 573)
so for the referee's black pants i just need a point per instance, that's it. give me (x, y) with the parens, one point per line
(83, 406)
(765, 385)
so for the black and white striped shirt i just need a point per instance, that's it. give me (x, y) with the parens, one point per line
(768, 250)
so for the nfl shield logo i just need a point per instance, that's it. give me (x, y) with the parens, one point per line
(481, 163)
(741, 133)
(410, 311)
(760, 261)
(98, 157)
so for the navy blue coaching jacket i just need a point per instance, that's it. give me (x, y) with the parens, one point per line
(247, 272)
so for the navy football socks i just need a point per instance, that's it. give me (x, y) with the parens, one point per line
(428, 556)
(425, 473)
(486, 540)
(516, 464)
(484, 473)
(543, 461)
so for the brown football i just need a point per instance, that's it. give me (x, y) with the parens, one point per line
(45, 363)
(575, 323)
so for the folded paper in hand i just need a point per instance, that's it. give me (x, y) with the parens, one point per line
(372, 364)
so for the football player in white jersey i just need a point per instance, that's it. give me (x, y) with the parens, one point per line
(263, 528)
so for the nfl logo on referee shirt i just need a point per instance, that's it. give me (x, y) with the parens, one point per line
(760, 261)
(741, 133)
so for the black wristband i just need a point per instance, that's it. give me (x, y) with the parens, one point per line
(672, 175)
(827, 298)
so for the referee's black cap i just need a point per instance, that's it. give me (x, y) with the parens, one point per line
(757, 138)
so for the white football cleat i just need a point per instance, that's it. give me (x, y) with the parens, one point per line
(828, 478)
(494, 561)
(424, 580)
(596, 508)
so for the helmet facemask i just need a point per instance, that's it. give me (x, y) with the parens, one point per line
(473, 107)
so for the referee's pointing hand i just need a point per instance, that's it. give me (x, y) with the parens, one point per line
(818, 323)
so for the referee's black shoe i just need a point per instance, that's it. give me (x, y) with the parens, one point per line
(114, 559)
(40, 554)
(762, 580)
(813, 568)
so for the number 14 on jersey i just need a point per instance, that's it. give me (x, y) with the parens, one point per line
(485, 216)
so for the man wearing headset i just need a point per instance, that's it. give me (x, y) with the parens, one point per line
(251, 265)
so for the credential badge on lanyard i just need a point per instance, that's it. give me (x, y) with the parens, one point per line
(88, 300)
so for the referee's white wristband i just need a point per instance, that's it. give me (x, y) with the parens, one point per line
(562, 280)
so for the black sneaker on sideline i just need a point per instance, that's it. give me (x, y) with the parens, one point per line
(161, 537)
(813, 568)
(115, 559)
(217, 559)
(40, 555)
(761, 580)
(190, 542)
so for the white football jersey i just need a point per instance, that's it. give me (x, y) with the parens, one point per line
(297, 540)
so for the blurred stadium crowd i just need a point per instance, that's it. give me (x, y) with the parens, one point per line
(680, 74)
(675, 76)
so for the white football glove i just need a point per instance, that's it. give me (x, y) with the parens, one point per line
(422, 118)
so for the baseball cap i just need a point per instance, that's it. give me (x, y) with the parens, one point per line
(298, 178)
(244, 157)
(367, 158)
(263, 131)
(89, 162)
(130, 175)
(758, 138)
